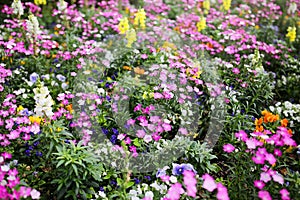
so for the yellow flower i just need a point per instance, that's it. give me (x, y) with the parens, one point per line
(20, 108)
(201, 24)
(226, 4)
(206, 5)
(140, 17)
(123, 25)
(291, 34)
(145, 95)
(34, 119)
(131, 37)
(40, 2)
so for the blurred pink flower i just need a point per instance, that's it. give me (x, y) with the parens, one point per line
(222, 192)
(209, 183)
(264, 195)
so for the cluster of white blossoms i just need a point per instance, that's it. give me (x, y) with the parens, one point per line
(33, 24)
(17, 7)
(43, 101)
(62, 5)
(289, 110)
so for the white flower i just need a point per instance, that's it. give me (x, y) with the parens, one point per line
(43, 101)
(173, 179)
(292, 8)
(149, 194)
(62, 5)
(33, 24)
(18, 8)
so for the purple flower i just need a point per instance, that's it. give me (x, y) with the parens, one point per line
(33, 77)
(179, 169)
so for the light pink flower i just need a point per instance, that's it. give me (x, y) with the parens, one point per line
(209, 183)
(222, 192)
(190, 182)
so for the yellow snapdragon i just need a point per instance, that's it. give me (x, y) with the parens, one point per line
(40, 2)
(226, 4)
(131, 37)
(206, 5)
(123, 25)
(140, 17)
(291, 34)
(201, 24)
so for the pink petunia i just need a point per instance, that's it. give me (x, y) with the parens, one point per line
(222, 192)
(209, 183)
(190, 182)
(175, 191)
(228, 148)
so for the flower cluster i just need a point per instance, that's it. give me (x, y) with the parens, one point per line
(43, 102)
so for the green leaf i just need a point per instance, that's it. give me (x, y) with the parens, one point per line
(60, 163)
(75, 169)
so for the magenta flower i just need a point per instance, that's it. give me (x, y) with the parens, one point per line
(241, 135)
(285, 195)
(259, 184)
(209, 183)
(270, 158)
(228, 148)
(264, 195)
(258, 158)
(235, 70)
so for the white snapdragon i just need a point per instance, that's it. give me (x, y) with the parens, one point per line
(62, 5)
(17, 7)
(33, 24)
(43, 101)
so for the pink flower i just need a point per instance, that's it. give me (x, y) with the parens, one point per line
(258, 158)
(222, 192)
(264, 195)
(259, 184)
(270, 158)
(277, 152)
(148, 138)
(278, 178)
(209, 183)
(285, 195)
(228, 148)
(175, 191)
(140, 133)
(241, 135)
(265, 177)
(190, 182)
(235, 70)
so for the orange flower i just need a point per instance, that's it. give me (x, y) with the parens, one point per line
(259, 128)
(284, 122)
(127, 68)
(290, 131)
(69, 107)
(258, 122)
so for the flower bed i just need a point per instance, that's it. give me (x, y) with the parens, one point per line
(150, 99)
